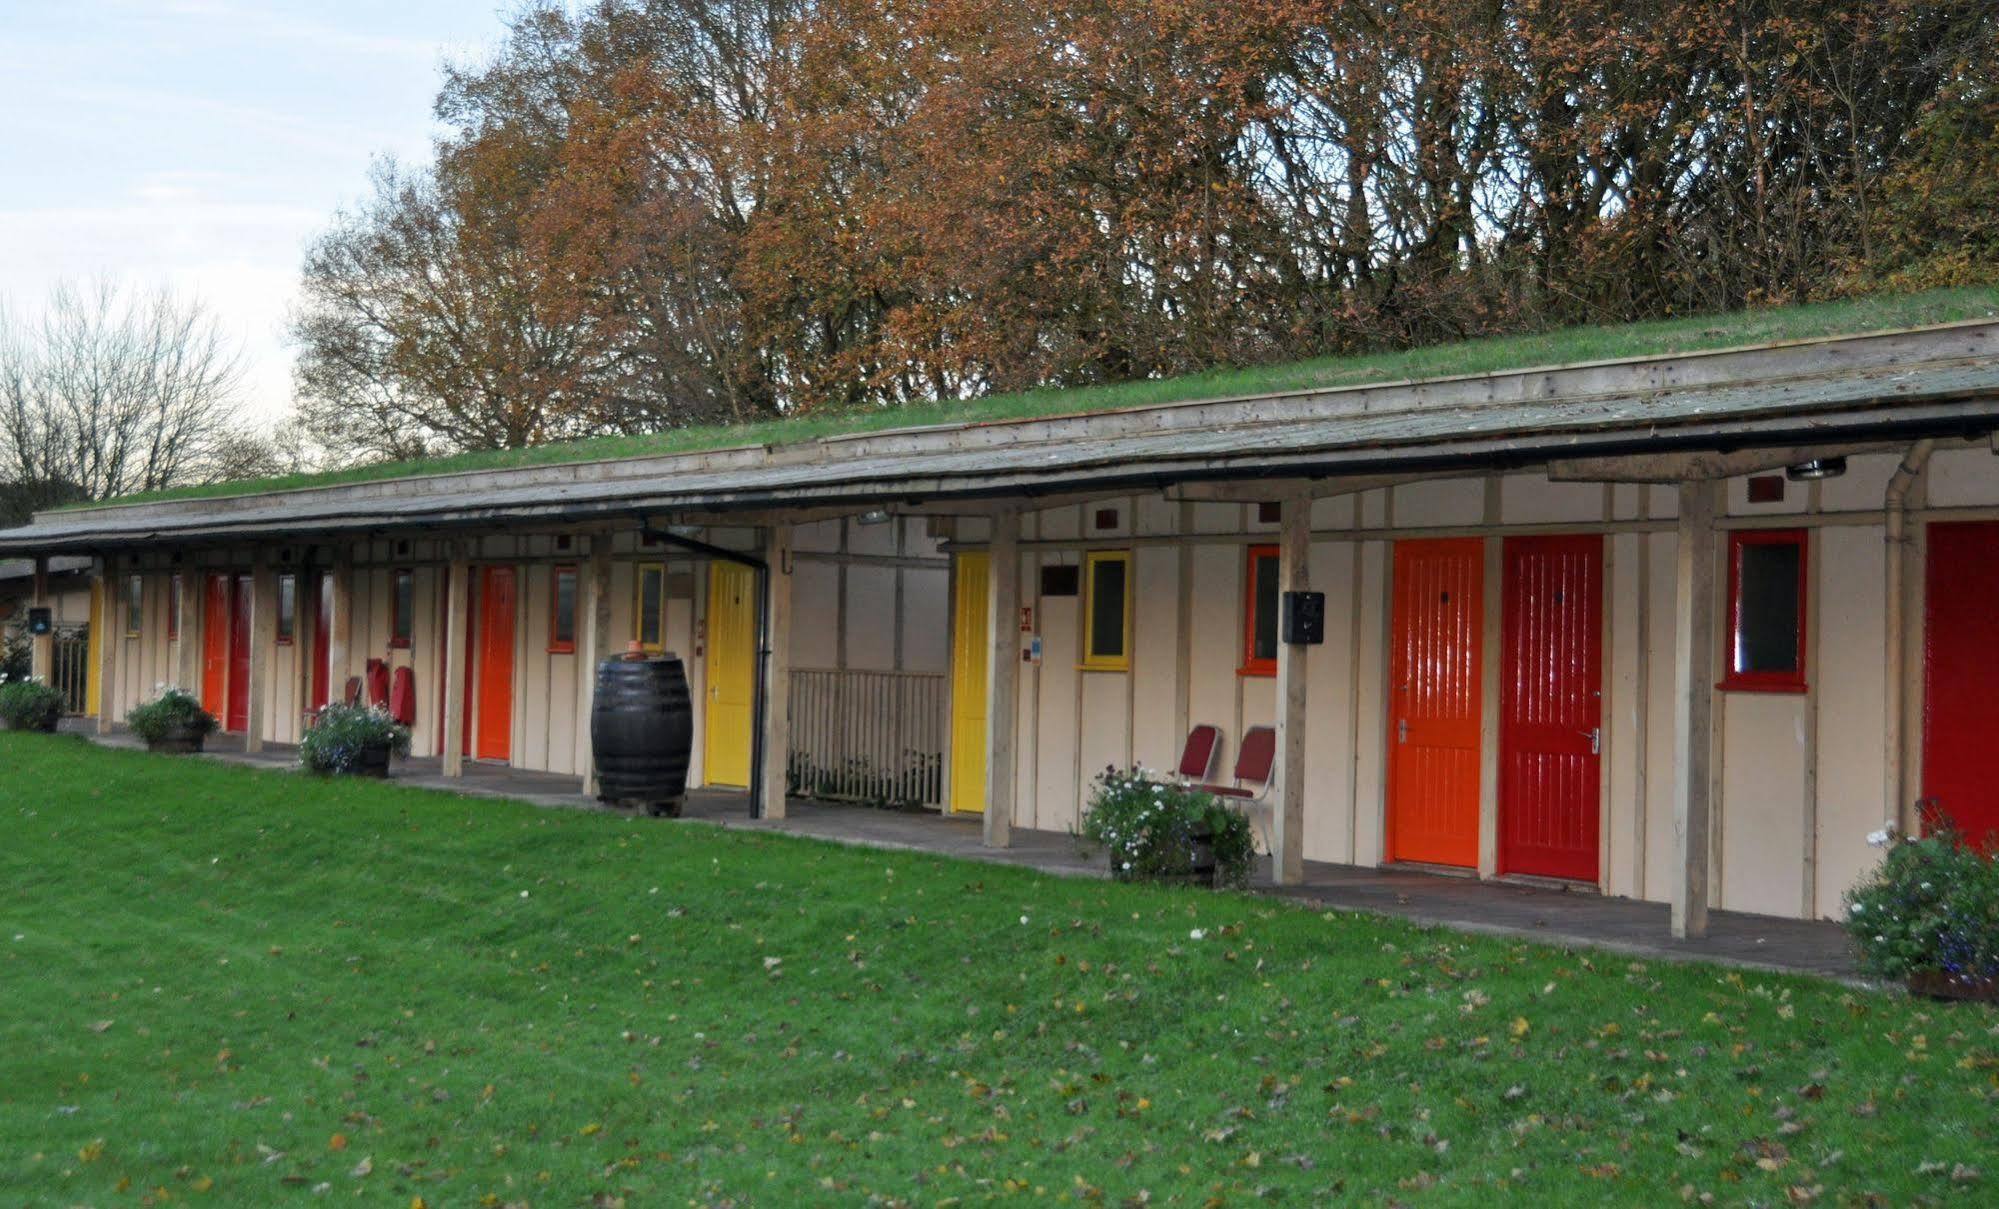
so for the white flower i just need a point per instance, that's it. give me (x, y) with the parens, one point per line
(524, 894)
(1877, 839)
(1023, 921)
(1197, 934)
(1860, 908)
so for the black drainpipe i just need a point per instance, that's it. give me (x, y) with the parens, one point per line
(760, 683)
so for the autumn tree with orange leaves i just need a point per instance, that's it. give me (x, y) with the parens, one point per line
(654, 213)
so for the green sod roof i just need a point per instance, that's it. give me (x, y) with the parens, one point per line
(1490, 355)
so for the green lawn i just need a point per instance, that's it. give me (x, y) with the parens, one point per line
(1491, 355)
(226, 986)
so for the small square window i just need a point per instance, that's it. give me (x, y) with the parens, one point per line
(287, 607)
(402, 608)
(650, 618)
(1107, 611)
(1766, 611)
(174, 590)
(562, 611)
(1259, 628)
(135, 605)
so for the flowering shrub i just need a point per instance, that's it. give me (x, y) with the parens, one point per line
(167, 712)
(29, 705)
(1933, 905)
(1152, 829)
(340, 733)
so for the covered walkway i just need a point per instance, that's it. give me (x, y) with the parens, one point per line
(1539, 913)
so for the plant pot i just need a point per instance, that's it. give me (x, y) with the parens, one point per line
(1939, 984)
(1201, 869)
(372, 760)
(179, 740)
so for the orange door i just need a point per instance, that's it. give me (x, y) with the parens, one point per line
(1434, 684)
(496, 664)
(214, 642)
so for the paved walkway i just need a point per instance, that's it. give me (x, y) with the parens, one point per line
(1551, 916)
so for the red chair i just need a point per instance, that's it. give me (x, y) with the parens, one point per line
(1197, 755)
(1254, 761)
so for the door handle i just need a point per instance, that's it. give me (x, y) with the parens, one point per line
(1595, 734)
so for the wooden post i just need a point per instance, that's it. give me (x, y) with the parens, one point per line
(1287, 804)
(458, 595)
(263, 638)
(1002, 678)
(777, 670)
(109, 603)
(339, 622)
(41, 656)
(1693, 705)
(596, 640)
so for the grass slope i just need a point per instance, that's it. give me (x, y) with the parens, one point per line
(1561, 346)
(235, 987)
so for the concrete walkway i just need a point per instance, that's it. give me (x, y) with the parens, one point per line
(1537, 912)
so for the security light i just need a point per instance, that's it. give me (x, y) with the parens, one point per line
(1817, 468)
(875, 516)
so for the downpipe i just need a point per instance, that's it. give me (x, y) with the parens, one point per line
(1896, 521)
(760, 683)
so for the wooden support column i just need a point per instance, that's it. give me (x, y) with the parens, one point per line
(339, 622)
(263, 639)
(596, 639)
(1693, 705)
(1002, 678)
(41, 654)
(1287, 804)
(777, 671)
(109, 642)
(457, 596)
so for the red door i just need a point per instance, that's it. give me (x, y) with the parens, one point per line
(496, 663)
(238, 718)
(214, 642)
(1960, 666)
(1434, 685)
(1551, 706)
(322, 640)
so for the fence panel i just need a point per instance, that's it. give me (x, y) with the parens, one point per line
(868, 737)
(70, 666)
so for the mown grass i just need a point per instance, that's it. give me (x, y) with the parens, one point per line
(235, 987)
(1565, 345)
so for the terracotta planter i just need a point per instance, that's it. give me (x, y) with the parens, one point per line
(1937, 984)
(179, 741)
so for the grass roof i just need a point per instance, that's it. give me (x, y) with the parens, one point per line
(1490, 355)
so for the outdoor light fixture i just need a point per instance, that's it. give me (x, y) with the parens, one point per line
(875, 516)
(683, 530)
(1817, 468)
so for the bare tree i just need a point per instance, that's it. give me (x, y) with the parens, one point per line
(115, 391)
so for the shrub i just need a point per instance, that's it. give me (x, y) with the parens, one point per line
(1933, 904)
(340, 732)
(29, 705)
(171, 710)
(1153, 829)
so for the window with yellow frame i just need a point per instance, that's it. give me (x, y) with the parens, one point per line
(1107, 611)
(649, 607)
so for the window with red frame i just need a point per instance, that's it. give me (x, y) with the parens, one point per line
(562, 612)
(1259, 613)
(1766, 611)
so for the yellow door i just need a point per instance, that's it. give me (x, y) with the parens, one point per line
(732, 641)
(93, 691)
(971, 646)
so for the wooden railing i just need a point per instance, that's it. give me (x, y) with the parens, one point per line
(874, 737)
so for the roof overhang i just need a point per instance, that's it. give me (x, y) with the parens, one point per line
(1848, 391)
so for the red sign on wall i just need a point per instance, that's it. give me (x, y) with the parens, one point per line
(1027, 619)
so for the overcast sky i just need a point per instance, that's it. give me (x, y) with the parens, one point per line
(202, 142)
